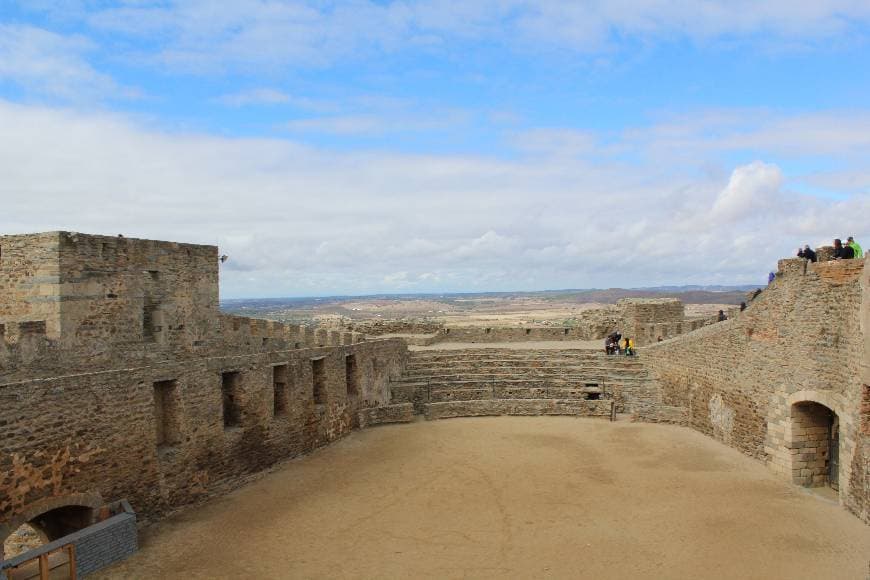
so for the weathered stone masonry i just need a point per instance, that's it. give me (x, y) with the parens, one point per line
(120, 378)
(787, 380)
(132, 384)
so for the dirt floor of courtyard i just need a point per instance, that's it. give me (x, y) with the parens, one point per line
(512, 497)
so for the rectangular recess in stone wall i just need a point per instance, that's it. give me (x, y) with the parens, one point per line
(230, 390)
(166, 413)
(318, 379)
(279, 389)
(350, 375)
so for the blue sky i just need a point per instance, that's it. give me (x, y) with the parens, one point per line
(355, 147)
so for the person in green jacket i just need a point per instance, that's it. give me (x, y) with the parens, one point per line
(859, 253)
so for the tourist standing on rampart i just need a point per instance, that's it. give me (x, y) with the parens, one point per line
(856, 248)
(808, 253)
(842, 252)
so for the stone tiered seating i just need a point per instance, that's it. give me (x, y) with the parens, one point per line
(448, 383)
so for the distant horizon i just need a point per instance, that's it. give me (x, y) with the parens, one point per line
(663, 289)
(389, 146)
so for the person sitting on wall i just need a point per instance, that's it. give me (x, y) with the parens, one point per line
(721, 317)
(842, 252)
(856, 248)
(629, 347)
(807, 253)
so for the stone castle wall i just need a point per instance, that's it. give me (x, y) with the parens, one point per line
(119, 378)
(381, 327)
(751, 382)
(643, 319)
(159, 398)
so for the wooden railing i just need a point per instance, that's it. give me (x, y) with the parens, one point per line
(58, 564)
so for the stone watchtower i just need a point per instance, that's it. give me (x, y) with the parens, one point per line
(95, 293)
(646, 318)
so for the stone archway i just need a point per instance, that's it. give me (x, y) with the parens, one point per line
(54, 518)
(814, 445)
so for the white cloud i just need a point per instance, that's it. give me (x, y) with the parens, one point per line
(55, 65)
(301, 220)
(752, 189)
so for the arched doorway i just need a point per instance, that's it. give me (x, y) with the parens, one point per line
(48, 520)
(63, 521)
(815, 445)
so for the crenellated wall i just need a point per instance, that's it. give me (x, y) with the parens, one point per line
(767, 380)
(120, 379)
(103, 397)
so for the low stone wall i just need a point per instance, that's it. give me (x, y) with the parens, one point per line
(382, 327)
(398, 413)
(478, 334)
(447, 410)
(645, 333)
(96, 546)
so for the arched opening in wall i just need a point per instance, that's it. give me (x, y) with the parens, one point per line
(815, 445)
(47, 527)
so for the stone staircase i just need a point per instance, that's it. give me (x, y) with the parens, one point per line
(453, 383)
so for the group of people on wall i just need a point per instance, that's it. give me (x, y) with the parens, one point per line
(615, 343)
(848, 251)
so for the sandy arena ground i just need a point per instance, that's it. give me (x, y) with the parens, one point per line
(512, 497)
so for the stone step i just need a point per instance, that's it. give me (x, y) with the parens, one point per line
(461, 356)
(572, 363)
(474, 391)
(512, 353)
(509, 381)
(526, 375)
(396, 413)
(494, 407)
(586, 386)
(497, 394)
(414, 365)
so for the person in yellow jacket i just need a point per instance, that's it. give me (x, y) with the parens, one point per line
(629, 346)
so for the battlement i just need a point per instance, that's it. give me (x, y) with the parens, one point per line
(95, 294)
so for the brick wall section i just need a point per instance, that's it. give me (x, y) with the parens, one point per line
(801, 340)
